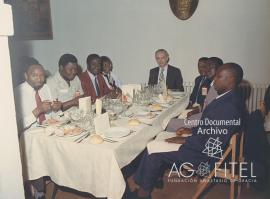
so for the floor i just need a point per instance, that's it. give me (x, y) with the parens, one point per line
(172, 190)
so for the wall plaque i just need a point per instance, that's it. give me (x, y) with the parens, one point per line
(183, 9)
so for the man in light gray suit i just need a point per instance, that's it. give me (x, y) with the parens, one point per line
(175, 123)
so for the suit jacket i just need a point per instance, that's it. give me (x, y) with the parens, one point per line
(89, 89)
(197, 90)
(227, 107)
(174, 78)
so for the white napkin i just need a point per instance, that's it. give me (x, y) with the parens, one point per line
(128, 89)
(85, 104)
(101, 123)
(159, 145)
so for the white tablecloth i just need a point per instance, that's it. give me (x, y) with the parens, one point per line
(86, 167)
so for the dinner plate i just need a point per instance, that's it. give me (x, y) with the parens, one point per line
(68, 132)
(142, 113)
(116, 132)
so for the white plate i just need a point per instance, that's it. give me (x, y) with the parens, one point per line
(60, 132)
(142, 113)
(116, 132)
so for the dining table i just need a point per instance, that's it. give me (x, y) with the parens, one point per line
(88, 167)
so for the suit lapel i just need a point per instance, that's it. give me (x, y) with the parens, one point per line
(156, 75)
(168, 75)
(91, 86)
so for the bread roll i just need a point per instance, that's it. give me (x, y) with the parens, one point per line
(155, 107)
(133, 122)
(96, 139)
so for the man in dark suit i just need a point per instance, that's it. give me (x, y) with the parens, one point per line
(201, 84)
(226, 107)
(164, 72)
(213, 64)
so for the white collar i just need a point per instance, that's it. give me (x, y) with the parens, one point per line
(165, 67)
(222, 94)
(91, 75)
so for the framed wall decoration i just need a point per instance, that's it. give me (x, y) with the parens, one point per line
(32, 19)
(183, 9)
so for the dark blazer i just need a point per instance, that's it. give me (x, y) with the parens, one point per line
(197, 90)
(174, 78)
(88, 87)
(227, 107)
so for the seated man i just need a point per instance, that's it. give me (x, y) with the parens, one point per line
(33, 98)
(175, 123)
(92, 81)
(201, 85)
(110, 78)
(165, 73)
(65, 84)
(226, 107)
(34, 104)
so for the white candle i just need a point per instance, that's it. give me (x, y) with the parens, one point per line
(98, 106)
(85, 104)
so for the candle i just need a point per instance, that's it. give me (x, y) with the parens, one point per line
(98, 106)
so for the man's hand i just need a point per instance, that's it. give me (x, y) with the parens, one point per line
(56, 105)
(176, 140)
(45, 107)
(195, 110)
(183, 131)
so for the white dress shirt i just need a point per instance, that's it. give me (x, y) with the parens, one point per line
(114, 78)
(61, 90)
(92, 77)
(26, 102)
(219, 96)
(164, 72)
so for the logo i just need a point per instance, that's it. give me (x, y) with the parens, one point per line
(203, 169)
(213, 148)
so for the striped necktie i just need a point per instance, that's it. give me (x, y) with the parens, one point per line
(97, 87)
(161, 76)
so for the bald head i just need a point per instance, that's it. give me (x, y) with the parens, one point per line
(35, 76)
(228, 77)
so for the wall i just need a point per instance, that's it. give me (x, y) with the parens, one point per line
(130, 31)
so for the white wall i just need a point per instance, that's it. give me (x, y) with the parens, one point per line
(129, 31)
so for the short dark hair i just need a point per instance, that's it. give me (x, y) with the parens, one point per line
(67, 58)
(236, 71)
(105, 59)
(91, 57)
(202, 59)
(215, 62)
(244, 90)
(26, 61)
(267, 100)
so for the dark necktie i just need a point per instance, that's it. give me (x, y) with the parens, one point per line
(97, 87)
(41, 116)
(109, 80)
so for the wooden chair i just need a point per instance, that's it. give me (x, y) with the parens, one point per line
(235, 149)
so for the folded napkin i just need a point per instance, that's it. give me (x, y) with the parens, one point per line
(127, 89)
(159, 145)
